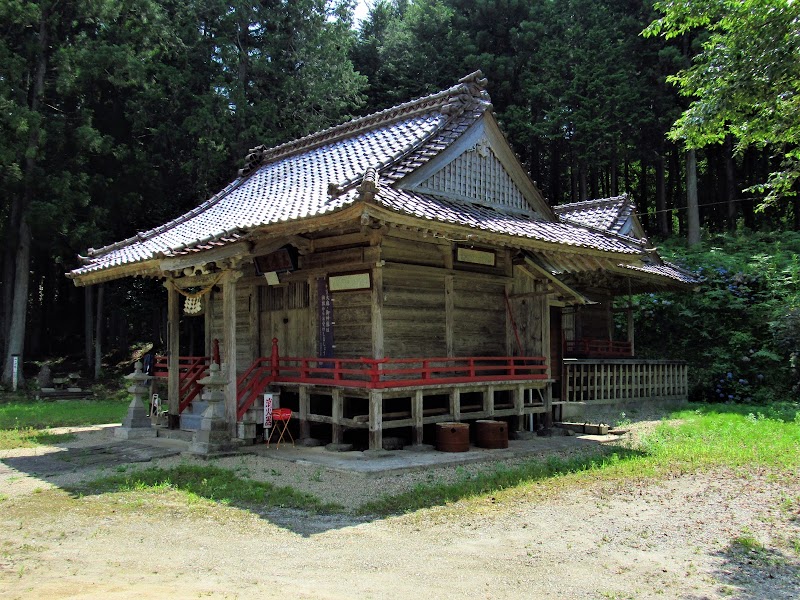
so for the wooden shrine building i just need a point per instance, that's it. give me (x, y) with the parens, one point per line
(399, 270)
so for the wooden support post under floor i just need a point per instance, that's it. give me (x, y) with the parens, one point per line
(455, 404)
(375, 420)
(417, 415)
(305, 404)
(337, 411)
(518, 422)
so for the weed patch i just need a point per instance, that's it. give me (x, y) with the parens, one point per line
(29, 437)
(703, 437)
(210, 483)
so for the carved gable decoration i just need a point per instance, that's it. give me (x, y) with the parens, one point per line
(477, 175)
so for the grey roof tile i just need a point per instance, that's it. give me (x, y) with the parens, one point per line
(609, 214)
(488, 219)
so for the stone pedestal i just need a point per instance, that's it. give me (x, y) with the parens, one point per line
(136, 423)
(213, 436)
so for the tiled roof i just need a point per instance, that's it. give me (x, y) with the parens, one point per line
(307, 177)
(321, 173)
(668, 270)
(608, 214)
(488, 219)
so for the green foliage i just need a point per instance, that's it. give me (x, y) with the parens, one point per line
(67, 413)
(702, 437)
(740, 329)
(746, 80)
(211, 483)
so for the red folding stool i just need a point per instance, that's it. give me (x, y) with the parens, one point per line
(280, 423)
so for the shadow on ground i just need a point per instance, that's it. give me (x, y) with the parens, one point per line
(758, 573)
(297, 511)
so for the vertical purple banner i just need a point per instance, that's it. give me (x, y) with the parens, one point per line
(325, 319)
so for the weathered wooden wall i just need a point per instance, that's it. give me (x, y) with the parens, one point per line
(246, 337)
(423, 302)
(285, 314)
(414, 318)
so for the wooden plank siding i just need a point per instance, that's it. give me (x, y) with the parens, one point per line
(414, 314)
(352, 318)
(246, 301)
(479, 317)
(285, 313)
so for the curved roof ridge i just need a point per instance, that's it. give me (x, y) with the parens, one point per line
(453, 99)
(570, 206)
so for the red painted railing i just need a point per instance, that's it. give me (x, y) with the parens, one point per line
(190, 370)
(589, 348)
(368, 373)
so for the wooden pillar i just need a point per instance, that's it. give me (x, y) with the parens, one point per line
(254, 322)
(375, 420)
(449, 314)
(305, 405)
(629, 314)
(229, 346)
(548, 407)
(519, 408)
(417, 414)
(337, 410)
(174, 350)
(488, 401)
(377, 312)
(455, 404)
(207, 321)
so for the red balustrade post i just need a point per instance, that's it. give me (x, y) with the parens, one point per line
(274, 359)
(374, 374)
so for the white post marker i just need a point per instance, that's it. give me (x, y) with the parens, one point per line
(15, 371)
(267, 411)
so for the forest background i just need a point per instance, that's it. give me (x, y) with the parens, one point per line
(117, 116)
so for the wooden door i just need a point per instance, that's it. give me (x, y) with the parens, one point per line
(285, 314)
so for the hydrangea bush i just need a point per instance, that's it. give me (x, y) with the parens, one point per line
(740, 329)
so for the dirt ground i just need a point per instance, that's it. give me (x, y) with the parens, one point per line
(700, 536)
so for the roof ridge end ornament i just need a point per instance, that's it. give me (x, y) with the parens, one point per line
(369, 185)
(255, 156)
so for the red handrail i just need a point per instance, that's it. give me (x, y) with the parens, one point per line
(190, 370)
(369, 373)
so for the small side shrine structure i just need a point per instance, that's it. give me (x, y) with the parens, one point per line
(396, 271)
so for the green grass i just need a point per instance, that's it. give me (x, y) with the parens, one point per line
(24, 424)
(30, 437)
(210, 483)
(41, 415)
(704, 437)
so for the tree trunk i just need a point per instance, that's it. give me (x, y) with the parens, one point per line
(98, 335)
(614, 171)
(643, 203)
(661, 198)
(583, 183)
(15, 343)
(16, 332)
(730, 184)
(692, 208)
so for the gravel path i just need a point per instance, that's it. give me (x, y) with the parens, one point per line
(700, 536)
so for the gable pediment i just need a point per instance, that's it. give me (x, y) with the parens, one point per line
(479, 168)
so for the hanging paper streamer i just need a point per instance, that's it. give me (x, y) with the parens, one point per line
(192, 305)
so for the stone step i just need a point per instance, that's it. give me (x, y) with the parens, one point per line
(190, 422)
(175, 434)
